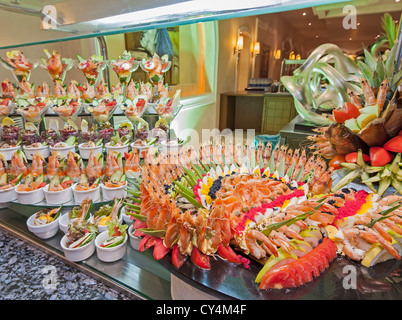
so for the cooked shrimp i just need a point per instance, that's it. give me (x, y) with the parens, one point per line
(260, 250)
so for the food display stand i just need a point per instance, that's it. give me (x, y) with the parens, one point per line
(163, 267)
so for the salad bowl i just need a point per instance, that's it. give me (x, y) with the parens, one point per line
(79, 253)
(109, 193)
(134, 241)
(113, 253)
(58, 197)
(64, 220)
(85, 150)
(8, 152)
(49, 227)
(30, 151)
(80, 195)
(29, 197)
(7, 195)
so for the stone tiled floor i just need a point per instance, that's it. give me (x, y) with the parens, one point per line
(27, 273)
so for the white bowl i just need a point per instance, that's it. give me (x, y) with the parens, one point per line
(140, 149)
(109, 254)
(80, 196)
(8, 195)
(126, 218)
(63, 151)
(58, 197)
(28, 197)
(167, 147)
(8, 152)
(45, 231)
(120, 149)
(44, 151)
(63, 222)
(86, 151)
(111, 193)
(103, 228)
(77, 254)
(134, 241)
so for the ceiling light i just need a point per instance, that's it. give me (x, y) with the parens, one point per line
(397, 0)
(358, 23)
(309, 24)
(304, 13)
(350, 38)
(316, 36)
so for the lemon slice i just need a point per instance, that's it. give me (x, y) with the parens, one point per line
(331, 232)
(142, 123)
(71, 123)
(84, 125)
(126, 124)
(377, 254)
(161, 122)
(30, 126)
(7, 121)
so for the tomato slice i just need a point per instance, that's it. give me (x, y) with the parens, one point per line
(5, 102)
(160, 250)
(200, 259)
(151, 242)
(280, 278)
(346, 112)
(227, 253)
(335, 161)
(143, 242)
(379, 156)
(140, 103)
(352, 157)
(111, 103)
(394, 144)
(177, 257)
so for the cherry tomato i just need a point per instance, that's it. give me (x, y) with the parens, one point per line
(352, 157)
(379, 156)
(347, 111)
(335, 161)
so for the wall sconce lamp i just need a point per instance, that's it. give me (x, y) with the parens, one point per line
(298, 56)
(292, 56)
(239, 45)
(257, 48)
(277, 55)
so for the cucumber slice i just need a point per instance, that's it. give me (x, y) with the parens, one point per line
(58, 212)
(54, 182)
(97, 181)
(87, 214)
(123, 178)
(71, 140)
(116, 176)
(40, 178)
(3, 179)
(28, 179)
(113, 242)
(22, 102)
(99, 142)
(79, 58)
(82, 241)
(66, 178)
(83, 179)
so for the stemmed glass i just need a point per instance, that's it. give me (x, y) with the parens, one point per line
(33, 113)
(18, 64)
(155, 67)
(55, 65)
(124, 66)
(135, 109)
(167, 109)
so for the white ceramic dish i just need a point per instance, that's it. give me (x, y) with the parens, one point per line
(8, 152)
(80, 196)
(126, 218)
(45, 231)
(28, 197)
(103, 228)
(109, 254)
(85, 151)
(58, 197)
(63, 151)
(120, 149)
(8, 195)
(77, 254)
(111, 193)
(134, 241)
(141, 149)
(170, 147)
(63, 222)
(44, 151)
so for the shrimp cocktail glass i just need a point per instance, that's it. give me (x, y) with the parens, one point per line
(32, 112)
(135, 109)
(124, 66)
(168, 108)
(92, 68)
(55, 65)
(155, 67)
(18, 64)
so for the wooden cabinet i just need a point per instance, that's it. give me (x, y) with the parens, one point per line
(267, 113)
(278, 111)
